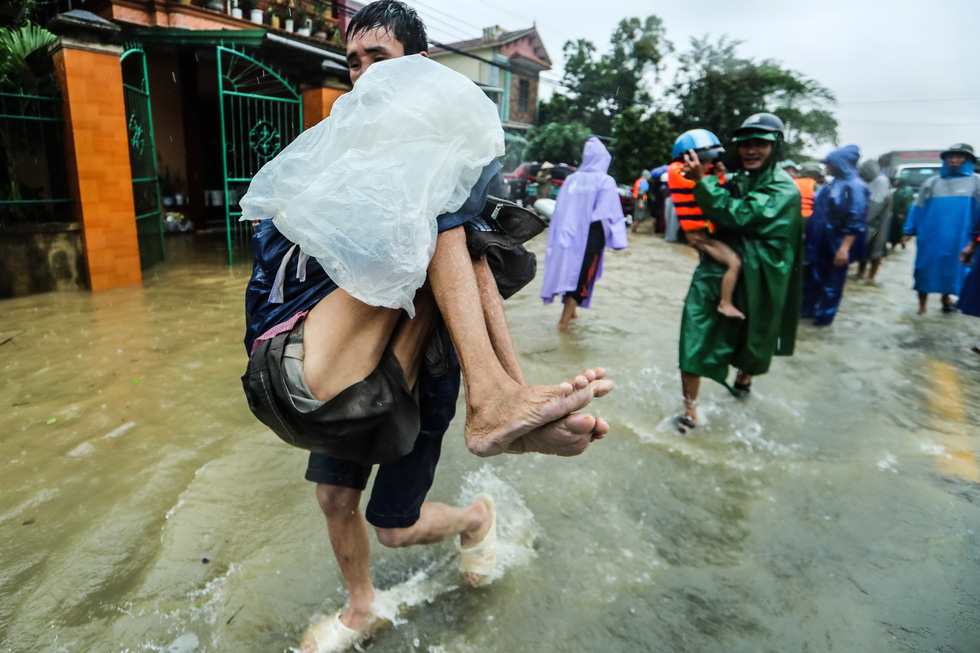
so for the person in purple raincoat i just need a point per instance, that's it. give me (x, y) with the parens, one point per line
(588, 218)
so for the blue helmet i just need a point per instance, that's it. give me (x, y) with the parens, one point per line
(704, 143)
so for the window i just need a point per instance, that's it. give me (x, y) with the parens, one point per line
(523, 95)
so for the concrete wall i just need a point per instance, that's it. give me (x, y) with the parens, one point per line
(41, 259)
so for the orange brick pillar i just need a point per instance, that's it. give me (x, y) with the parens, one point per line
(97, 157)
(317, 103)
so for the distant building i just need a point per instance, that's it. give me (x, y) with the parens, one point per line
(513, 83)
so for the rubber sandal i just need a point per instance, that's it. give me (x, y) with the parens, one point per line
(481, 558)
(684, 424)
(330, 635)
(742, 390)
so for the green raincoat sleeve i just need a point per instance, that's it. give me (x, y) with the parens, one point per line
(760, 218)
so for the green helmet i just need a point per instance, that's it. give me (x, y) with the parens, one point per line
(764, 126)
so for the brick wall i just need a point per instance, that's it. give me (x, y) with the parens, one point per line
(97, 162)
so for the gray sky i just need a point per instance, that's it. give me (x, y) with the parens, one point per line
(905, 73)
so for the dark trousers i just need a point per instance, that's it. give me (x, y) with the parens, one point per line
(823, 289)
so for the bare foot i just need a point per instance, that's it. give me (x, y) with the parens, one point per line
(492, 426)
(729, 310)
(471, 538)
(922, 310)
(564, 327)
(566, 437)
(575, 314)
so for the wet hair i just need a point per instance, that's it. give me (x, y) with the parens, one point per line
(395, 17)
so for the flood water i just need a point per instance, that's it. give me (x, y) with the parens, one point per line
(143, 508)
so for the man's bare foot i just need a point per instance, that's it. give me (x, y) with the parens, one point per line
(729, 310)
(569, 436)
(564, 327)
(922, 310)
(493, 425)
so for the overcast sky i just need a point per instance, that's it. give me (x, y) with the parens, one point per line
(905, 73)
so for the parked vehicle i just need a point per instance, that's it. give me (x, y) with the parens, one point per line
(916, 165)
(521, 182)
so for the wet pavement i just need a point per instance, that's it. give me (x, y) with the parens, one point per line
(142, 508)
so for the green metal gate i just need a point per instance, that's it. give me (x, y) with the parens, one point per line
(260, 115)
(142, 157)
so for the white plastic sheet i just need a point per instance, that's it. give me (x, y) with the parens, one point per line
(360, 191)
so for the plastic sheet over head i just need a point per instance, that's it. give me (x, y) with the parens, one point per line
(361, 190)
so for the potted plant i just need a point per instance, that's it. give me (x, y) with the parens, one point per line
(304, 22)
(251, 7)
(272, 11)
(320, 26)
(236, 11)
(171, 186)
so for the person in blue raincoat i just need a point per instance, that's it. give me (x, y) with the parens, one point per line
(834, 235)
(941, 219)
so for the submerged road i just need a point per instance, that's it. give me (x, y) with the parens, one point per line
(142, 508)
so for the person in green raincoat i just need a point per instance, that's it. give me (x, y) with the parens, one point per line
(759, 216)
(902, 198)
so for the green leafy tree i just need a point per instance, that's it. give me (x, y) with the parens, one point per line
(602, 87)
(24, 66)
(641, 141)
(717, 89)
(558, 143)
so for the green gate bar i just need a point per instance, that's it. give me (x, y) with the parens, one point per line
(142, 157)
(260, 114)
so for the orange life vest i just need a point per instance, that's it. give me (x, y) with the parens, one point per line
(682, 192)
(636, 188)
(805, 184)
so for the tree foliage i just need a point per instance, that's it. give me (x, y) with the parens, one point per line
(640, 142)
(602, 87)
(715, 88)
(558, 142)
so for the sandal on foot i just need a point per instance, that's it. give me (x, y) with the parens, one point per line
(481, 558)
(949, 307)
(684, 424)
(330, 635)
(742, 390)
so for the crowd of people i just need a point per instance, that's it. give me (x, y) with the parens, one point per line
(364, 382)
(854, 213)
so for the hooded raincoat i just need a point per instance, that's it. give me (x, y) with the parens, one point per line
(758, 216)
(588, 195)
(902, 199)
(839, 210)
(879, 209)
(944, 212)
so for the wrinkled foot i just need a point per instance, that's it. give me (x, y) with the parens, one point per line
(729, 310)
(566, 437)
(492, 427)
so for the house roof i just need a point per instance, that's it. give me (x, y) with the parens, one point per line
(503, 38)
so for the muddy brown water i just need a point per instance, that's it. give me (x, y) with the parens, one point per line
(142, 508)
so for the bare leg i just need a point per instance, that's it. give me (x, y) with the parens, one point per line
(875, 264)
(691, 387)
(499, 410)
(862, 266)
(567, 314)
(349, 540)
(922, 303)
(438, 522)
(725, 255)
(496, 321)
